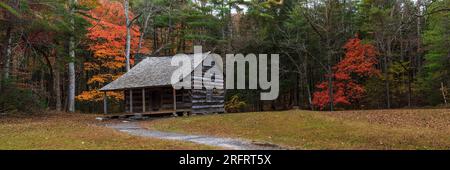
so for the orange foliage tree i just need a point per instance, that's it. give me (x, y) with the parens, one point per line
(358, 64)
(106, 40)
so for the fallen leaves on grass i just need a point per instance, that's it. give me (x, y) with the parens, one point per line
(73, 131)
(370, 129)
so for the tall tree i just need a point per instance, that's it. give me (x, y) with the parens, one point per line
(106, 41)
(435, 78)
(357, 65)
(10, 15)
(128, 23)
(328, 22)
(71, 95)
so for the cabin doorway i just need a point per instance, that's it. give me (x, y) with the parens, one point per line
(155, 100)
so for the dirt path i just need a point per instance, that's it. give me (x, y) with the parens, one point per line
(133, 128)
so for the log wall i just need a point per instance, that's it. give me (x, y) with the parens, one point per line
(206, 101)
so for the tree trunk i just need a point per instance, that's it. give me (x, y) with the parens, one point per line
(144, 30)
(386, 82)
(9, 36)
(155, 37)
(128, 41)
(308, 88)
(42, 81)
(328, 26)
(297, 89)
(71, 96)
(8, 53)
(230, 28)
(330, 74)
(419, 35)
(409, 88)
(330, 87)
(330, 79)
(64, 98)
(169, 33)
(57, 85)
(444, 96)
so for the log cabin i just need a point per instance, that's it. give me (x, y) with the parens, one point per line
(147, 88)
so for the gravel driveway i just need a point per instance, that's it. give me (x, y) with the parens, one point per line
(133, 128)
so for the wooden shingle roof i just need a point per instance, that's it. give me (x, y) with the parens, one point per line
(150, 72)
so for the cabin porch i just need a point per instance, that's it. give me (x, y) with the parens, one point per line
(156, 100)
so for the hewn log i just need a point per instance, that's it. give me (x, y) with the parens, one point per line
(208, 110)
(207, 106)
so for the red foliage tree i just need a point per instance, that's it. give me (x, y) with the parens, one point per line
(106, 41)
(358, 64)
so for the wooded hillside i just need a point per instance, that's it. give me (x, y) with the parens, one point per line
(335, 54)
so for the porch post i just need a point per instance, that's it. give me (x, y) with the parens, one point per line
(131, 100)
(105, 103)
(143, 100)
(174, 102)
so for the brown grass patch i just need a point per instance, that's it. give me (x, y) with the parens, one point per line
(73, 131)
(372, 129)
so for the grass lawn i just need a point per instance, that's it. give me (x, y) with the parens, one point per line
(372, 129)
(73, 131)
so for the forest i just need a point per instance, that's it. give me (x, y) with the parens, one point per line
(334, 54)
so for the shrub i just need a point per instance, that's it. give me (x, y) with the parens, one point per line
(235, 104)
(15, 99)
